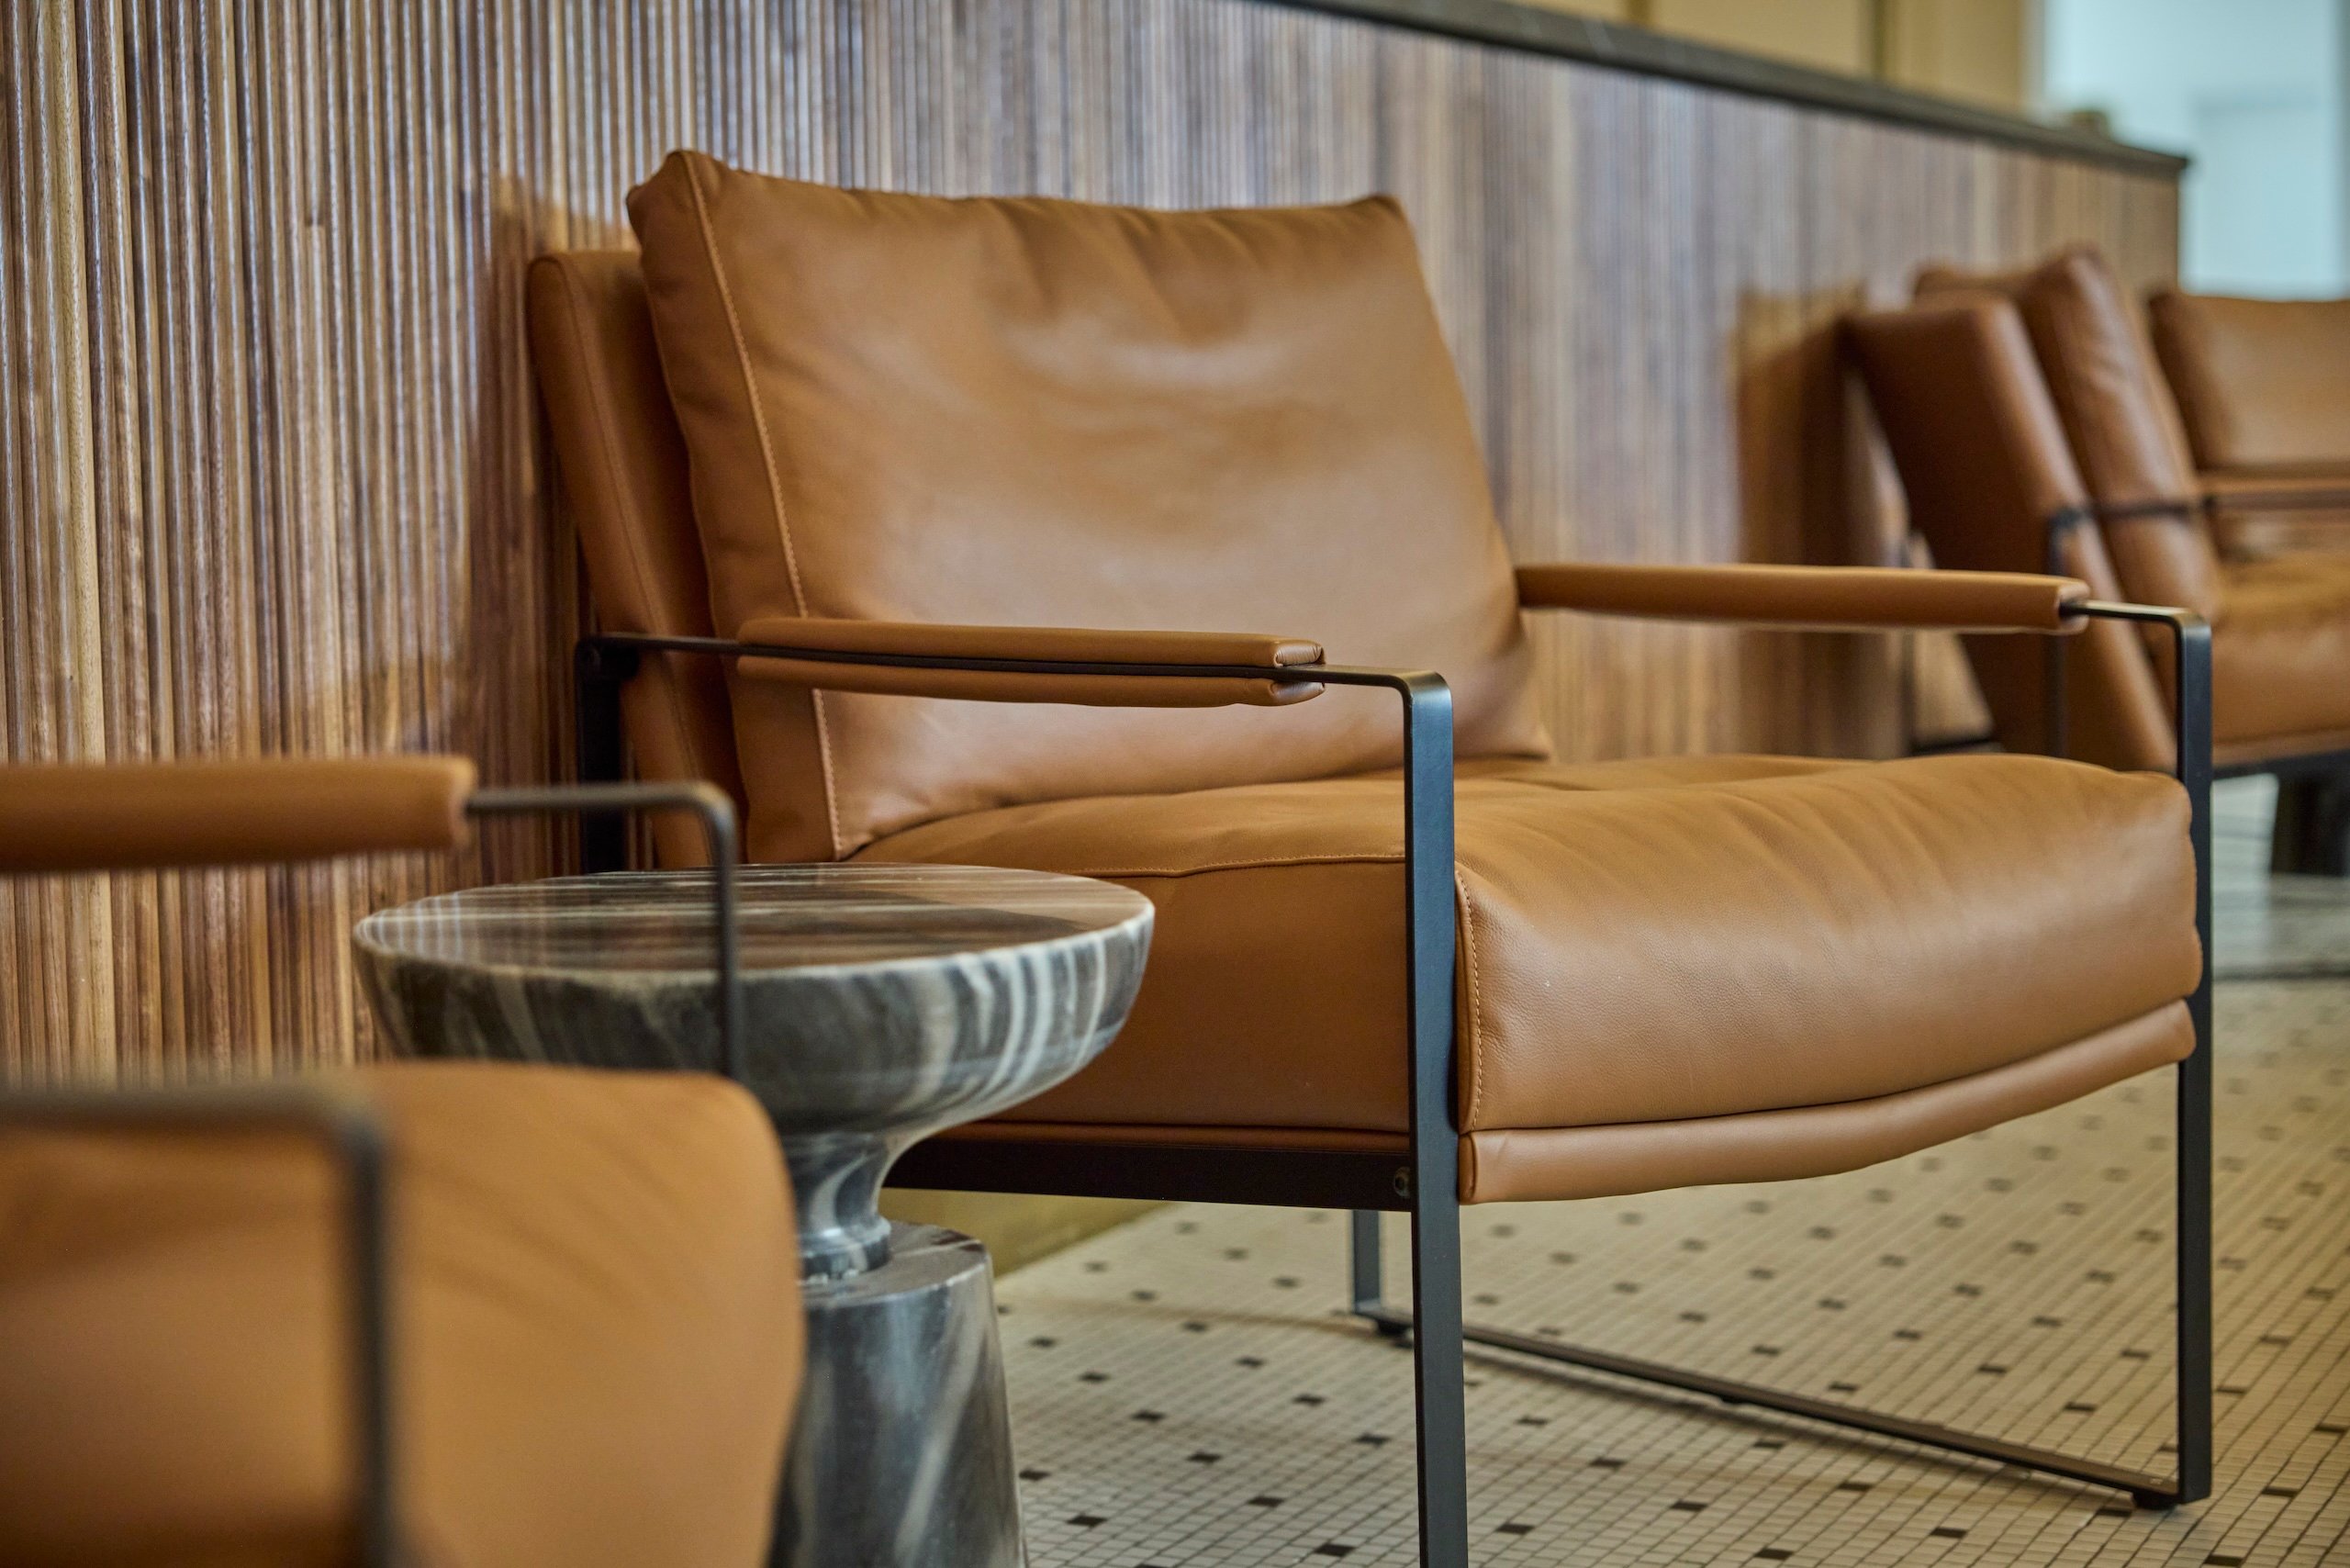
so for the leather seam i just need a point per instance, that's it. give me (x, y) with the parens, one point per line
(774, 486)
(2031, 1058)
(1469, 1047)
(633, 533)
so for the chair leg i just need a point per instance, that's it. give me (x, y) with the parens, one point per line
(1365, 1270)
(2311, 836)
(1440, 1380)
(2192, 1237)
(1439, 1371)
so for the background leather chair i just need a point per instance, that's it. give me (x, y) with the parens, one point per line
(454, 1315)
(923, 485)
(2074, 452)
(2263, 391)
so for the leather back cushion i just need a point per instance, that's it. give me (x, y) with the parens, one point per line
(2260, 382)
(1036, 412)
(1983, 464)
(2118, 416)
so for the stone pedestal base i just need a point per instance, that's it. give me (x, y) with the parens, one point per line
(901, 1454)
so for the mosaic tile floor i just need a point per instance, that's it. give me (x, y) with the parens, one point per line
(1185, 1393)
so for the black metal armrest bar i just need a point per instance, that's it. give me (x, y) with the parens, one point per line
(352, 1137)
(717, 813)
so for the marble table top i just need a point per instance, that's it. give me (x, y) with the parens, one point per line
(792, 917)
(879, 1002)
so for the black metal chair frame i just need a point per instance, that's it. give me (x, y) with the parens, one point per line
(1425, 1185)
(352, 1136)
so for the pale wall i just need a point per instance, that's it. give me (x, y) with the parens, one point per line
(1975, 49)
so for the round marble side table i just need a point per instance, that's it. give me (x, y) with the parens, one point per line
(881, 1003)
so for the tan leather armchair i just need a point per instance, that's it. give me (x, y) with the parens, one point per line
(1039, 455)
(2031, 428)
(452, 1315)
(2263, 391)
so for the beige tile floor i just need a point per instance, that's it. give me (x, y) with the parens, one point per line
(1185, 1393)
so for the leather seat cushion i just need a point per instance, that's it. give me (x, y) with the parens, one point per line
(596, 1331)
(1639, 941)
(2280, 650)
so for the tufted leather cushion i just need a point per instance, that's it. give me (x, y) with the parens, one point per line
(1034, 412)
(1639, 941)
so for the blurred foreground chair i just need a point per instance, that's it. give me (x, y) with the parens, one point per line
(568, 1301)
(1396, 968)
(2057, 408)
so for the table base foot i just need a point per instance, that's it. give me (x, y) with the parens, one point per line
(901, 1454)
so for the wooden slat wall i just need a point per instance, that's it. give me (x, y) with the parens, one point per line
(271, 479)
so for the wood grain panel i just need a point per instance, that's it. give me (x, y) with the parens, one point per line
(274, 480)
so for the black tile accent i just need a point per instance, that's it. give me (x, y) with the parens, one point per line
(1087, 1521)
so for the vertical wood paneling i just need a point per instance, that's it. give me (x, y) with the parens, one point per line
(271, 470)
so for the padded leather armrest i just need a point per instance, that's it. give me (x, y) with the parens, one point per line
(1828, 597)
(792, 650)
(88, 817)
